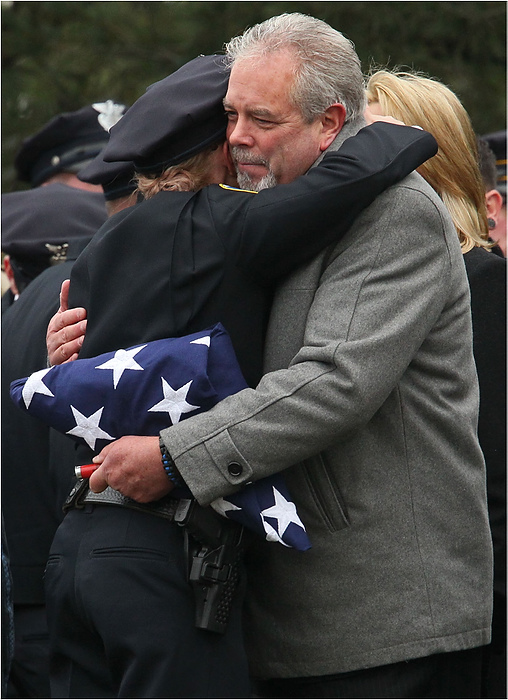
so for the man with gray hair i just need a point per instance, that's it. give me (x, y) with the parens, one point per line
(325, 91)
(369, 403)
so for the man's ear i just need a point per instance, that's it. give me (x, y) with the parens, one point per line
(332, 122)
(494, 203)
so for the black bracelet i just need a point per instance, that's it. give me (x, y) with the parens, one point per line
(169, 465)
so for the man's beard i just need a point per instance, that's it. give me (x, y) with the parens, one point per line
(245, 182)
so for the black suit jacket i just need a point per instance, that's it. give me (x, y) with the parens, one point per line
(487, 281)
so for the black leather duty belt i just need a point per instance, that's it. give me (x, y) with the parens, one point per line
(81, 494)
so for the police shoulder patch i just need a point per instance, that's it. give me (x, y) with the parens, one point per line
(236, 189)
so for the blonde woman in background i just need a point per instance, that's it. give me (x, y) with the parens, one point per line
(455, 175)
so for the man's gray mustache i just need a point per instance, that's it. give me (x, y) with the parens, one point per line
(244, 156)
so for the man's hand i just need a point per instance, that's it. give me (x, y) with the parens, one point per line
(133, 466)
(66, 330)
(371, 117)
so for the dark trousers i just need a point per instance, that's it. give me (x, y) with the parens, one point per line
(29, 675)
(451, 675)
(121, 614)
(494, 654)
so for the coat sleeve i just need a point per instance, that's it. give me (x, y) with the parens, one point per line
(278, 229)
(381, 293)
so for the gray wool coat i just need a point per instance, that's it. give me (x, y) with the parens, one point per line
(370, 404)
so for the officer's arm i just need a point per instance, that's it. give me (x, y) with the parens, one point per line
(279, 229)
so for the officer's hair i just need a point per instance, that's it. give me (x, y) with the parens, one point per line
(487, 162)
(327, 69)
(453, 172)
(190, 176)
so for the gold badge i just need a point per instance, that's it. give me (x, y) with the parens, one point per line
(236, 189)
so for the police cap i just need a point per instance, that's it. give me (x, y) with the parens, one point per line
(174, 119)
(117, 179)
(497, 143)
(37, 223)
(66, 142)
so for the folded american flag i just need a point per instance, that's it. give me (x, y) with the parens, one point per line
(144, 389)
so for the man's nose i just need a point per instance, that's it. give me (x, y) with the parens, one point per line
(239, 134)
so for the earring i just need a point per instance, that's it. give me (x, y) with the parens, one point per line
(491, 223)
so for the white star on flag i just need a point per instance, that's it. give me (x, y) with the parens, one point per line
(284, 512)
(122, 360)
(35, 385)
(174, 401)
(205, 340)
(221, 506)
(67, 399)
(88, 427)
(271, 533)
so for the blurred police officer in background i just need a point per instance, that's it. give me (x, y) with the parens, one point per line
(38, 223)
(488, 305)
(44, 230)
(497, 143)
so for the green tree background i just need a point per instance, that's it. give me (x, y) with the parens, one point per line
(60, 56)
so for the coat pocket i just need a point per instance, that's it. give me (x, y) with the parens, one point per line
(326, 506)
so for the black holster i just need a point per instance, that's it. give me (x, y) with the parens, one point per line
(214, 548)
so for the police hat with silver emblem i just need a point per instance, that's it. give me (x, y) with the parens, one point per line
(34, 222)
(174, 119)
(67, 142)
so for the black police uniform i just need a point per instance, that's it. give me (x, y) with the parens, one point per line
(121, 612)
(40, 229)
(35, 479)
(38, 462)
(43, 231)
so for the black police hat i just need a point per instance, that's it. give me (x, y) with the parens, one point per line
(497, 143)
(36, 221)
(39, 225)
(116, 178)
(66, 142)
(174, 119)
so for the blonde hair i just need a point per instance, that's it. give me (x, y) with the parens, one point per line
(189, 176)
(454, 171)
